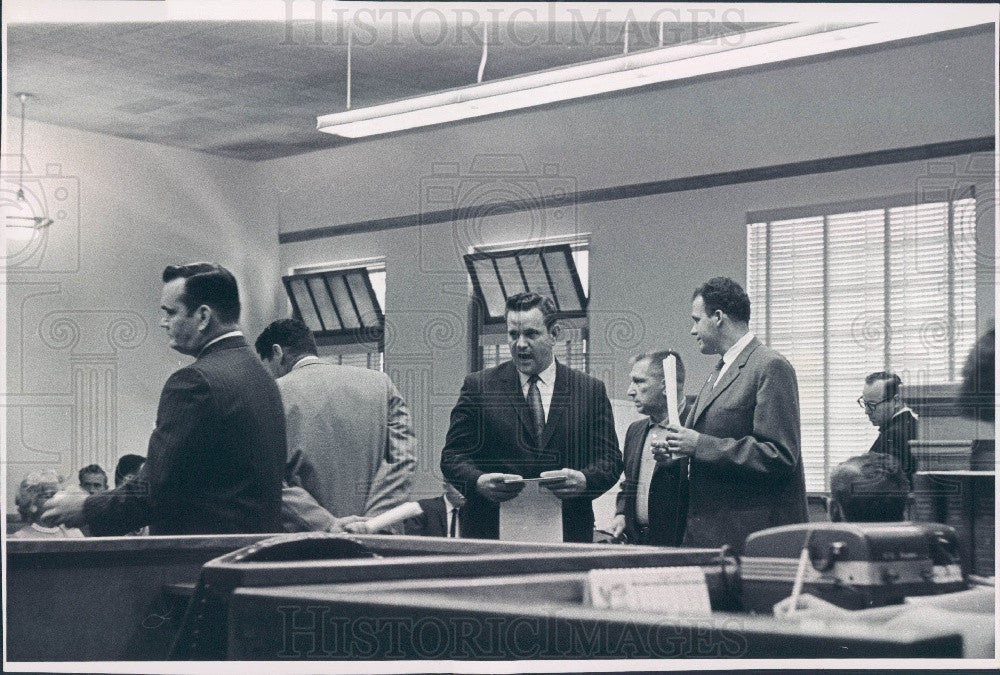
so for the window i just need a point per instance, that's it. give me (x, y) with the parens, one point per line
(846, 290)
(343, 308)
(558, 271)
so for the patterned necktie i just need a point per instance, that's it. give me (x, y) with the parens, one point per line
(453, 527)
(535, 405)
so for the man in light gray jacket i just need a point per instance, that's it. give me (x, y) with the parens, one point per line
(350, 443)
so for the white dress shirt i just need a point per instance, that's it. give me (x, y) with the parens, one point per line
(732, 353)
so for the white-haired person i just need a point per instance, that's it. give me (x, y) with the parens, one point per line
(37, 488)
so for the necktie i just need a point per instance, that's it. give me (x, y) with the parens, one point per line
(718, 371)
(453, 527)
(535, 405)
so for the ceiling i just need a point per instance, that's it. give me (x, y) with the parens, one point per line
(252, 90)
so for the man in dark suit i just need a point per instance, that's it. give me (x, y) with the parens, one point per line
(652, 503)
(442, 516)
(742, 434)
(531, 417)
(217, 455)
(897, 424)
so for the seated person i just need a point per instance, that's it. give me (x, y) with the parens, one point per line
(897, 424)
(93, 479)
(37, 488)
(441, 517)
(127, 468)
(873, 488)
(869, 488)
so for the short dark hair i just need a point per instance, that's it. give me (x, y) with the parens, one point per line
(127, 464)
(207, 284)
(725, 294)
(91, 468)
(291, 334)
(655, 366)
(526, 301)
(892, 382)
(870, 488)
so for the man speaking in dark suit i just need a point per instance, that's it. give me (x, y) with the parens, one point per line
(743, 433)
(652, 503)
(531, 416)
(217, 455)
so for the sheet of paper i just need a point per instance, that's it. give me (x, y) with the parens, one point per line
(670, 387)
(664, 590)
(533, 515)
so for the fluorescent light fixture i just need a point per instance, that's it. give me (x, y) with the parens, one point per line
(680, 62)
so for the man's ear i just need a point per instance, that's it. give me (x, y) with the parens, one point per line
(555, 330)
(277, 353)
(204, 316)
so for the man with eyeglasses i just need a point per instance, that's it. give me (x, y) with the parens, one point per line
(897, 424)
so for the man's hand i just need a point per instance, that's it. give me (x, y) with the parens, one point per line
(492, 486)
(677, 441)
(809, 606)
(617, 525)
(352, 524)
(65, 508)
(572, 483)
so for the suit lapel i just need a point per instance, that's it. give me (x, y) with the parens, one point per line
(701, 401)
(705, 399)
(560, 398)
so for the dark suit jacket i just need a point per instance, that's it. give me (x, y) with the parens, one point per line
(746, 472)
(894, 439)
(668, 494)
(433, 522)
(216, 458)
(492, 431)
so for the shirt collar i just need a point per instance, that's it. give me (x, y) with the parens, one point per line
(547, 377)
(306, 361)
(903, 410)
(735, 350)
(218, 338)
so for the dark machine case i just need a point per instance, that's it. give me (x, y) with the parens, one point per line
(852, 565)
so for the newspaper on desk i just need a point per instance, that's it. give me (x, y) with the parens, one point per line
(533, 515)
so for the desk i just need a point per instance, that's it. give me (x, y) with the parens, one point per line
(101, 599)
(535, 616)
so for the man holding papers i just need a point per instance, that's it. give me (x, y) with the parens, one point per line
(743, 433)
(652, 502)
(531, 417)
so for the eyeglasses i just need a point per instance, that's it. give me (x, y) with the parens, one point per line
(869, 406)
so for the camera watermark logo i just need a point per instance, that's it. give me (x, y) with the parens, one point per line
(535, 203)
(41, 220)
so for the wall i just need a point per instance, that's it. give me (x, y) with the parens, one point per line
(85, 356)
(647, 253)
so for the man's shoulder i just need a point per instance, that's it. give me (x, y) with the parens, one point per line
(767, 358)
(577, 378)
(324, 371)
